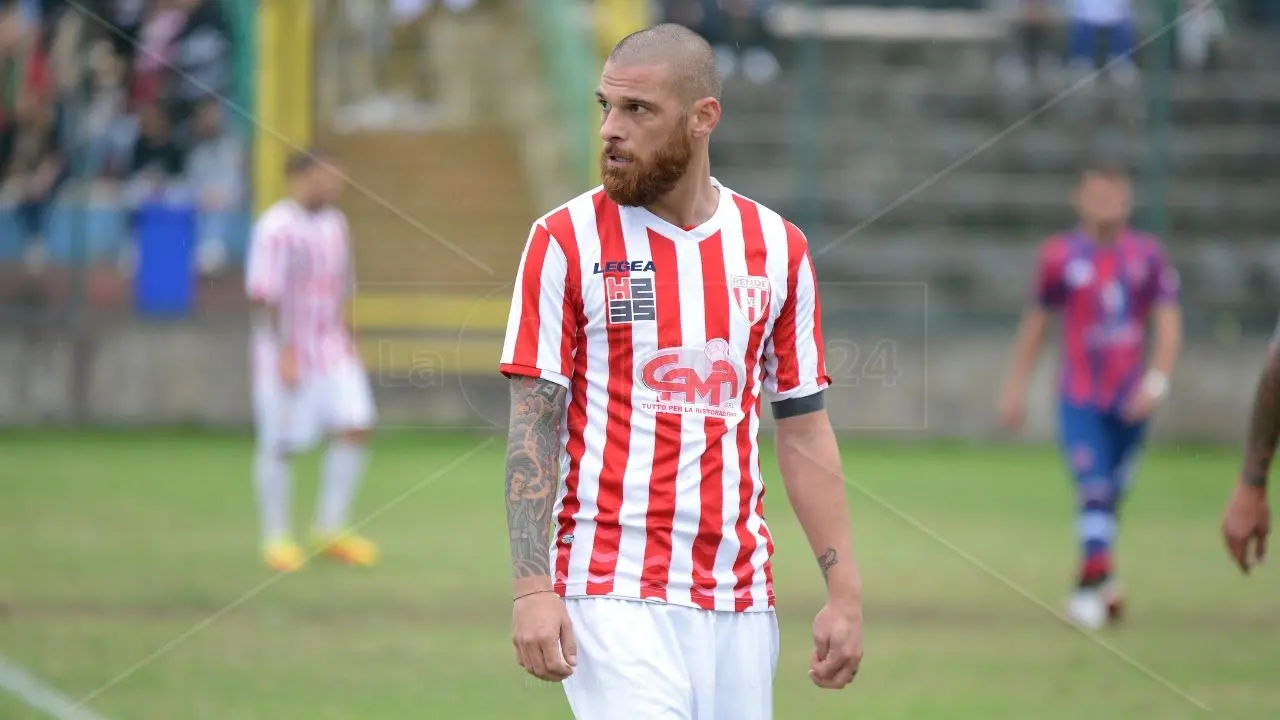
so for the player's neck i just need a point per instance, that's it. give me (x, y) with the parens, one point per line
(305, 204)
(1103, 234)
(692, 202)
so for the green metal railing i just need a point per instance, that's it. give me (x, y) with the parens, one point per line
(242, 16)
(1159, 78)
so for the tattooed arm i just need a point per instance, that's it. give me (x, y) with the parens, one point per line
(811, 472)
(533, 472)
(1264, 423)
(1247, 521)
(809, 461)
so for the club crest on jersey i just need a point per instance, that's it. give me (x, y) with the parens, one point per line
(751, 296)
(1078, 273)
(695, 381)
(629, 299)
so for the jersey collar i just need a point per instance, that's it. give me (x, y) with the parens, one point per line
(697, 234)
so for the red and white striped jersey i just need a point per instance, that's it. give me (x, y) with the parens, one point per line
(667, 339)
(301, 261)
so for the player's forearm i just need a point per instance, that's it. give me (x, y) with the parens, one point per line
(266, 317)
(532, 477)
(1168, 341)
(809, 461)
(1026, 347)
(1264, 423)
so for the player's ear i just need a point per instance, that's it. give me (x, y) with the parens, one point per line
(705, 116)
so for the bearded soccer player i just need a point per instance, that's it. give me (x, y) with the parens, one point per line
(649, 317)
(1247, 521)
(308, 380)
(1110, 283)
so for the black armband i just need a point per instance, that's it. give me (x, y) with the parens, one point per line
(792, 407)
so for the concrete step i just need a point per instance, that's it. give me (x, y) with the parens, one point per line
(1211, 98)
(987, 273)
(1246, 153)
(992, 196)
(442, 207)
(956, 41)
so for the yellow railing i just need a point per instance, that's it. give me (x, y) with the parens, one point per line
(286, 35)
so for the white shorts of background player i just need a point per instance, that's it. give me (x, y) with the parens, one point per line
(329, 403)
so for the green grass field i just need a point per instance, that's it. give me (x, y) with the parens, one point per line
(114, 546)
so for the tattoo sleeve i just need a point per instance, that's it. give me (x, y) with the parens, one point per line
(1264, 424)
(533, 472)
(826, 562)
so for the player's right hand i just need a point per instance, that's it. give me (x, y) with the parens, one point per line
(1012, 410)
(1246, 525)
(288, 366)
(543, 636)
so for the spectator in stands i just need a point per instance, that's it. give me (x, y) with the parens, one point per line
(216, 174)
(200, 60)
(157, 160)
(737, 29)
(1032, 52)
(1200, 34)
(17, 29)
(747, 29)
(155, 40)
(31, 155)
(126, 18)
(71, 34)
(106, 131)
(216, 164)
(1098, 24)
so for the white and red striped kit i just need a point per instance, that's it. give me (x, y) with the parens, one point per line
(301, 261)
(668, 340)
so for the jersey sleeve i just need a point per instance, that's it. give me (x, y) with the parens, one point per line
(542, 328)
(267, 265)
(1049, 286)
(794, 362)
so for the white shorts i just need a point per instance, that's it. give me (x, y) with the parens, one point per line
(295, 421)
(641, 660)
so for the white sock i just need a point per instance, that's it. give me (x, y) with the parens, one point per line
(274, 484)
(343, 466)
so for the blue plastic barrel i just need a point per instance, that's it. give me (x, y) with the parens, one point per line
(165, 281)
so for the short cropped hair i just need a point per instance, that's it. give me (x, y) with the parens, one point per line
(301, 161)
(692, 61)
(1105, 167)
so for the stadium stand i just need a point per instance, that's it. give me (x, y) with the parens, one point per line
(955, 180)
(111, 108)
(443, 194)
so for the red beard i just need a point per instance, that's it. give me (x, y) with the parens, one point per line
(645, 180)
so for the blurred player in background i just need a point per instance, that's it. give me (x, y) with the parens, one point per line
(1110, 283)
(308, 380)
(648, 318)
(1247, 522)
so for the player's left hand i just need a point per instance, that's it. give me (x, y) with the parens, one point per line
(1140, 406)
(837, 646)
(1246, 523)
